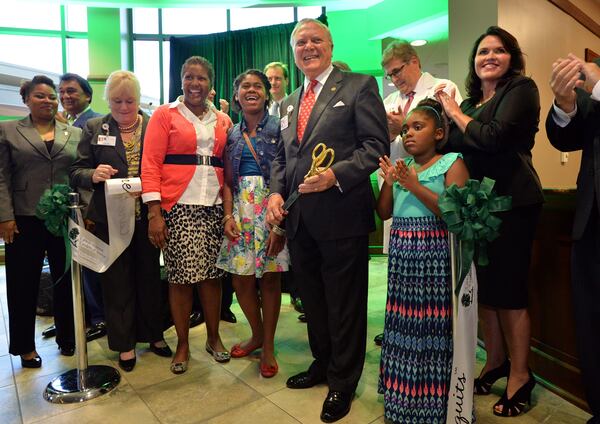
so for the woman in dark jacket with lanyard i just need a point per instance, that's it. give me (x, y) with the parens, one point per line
(131, 285)
(35, 153)
(251, 250)
(495, 130)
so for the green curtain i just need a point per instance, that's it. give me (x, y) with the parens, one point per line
(231, 53)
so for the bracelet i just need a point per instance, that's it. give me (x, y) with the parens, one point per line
(226, 218)
(278, 230)
(151, 215)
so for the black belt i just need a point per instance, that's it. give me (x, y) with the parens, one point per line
(193, 160)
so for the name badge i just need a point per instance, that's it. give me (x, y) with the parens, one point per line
(284, 122)
(107, 140)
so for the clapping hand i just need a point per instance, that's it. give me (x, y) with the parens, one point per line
(387, 170)
(395, 121)
(407, 176)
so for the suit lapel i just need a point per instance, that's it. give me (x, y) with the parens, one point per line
(30, 134)
(329, 90)
(293, 115)
(61, 136)
(114, 130)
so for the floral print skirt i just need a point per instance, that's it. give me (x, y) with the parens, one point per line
(247, 254)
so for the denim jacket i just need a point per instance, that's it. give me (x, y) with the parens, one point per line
(267, 137)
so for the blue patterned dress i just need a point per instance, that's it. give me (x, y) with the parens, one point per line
(416, 354)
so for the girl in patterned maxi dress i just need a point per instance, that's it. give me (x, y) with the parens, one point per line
(416, 354)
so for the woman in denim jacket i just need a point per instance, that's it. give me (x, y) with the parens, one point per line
(251, 249)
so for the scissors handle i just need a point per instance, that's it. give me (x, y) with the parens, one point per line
(319, 155)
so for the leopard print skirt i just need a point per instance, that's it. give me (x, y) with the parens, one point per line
(195, 236)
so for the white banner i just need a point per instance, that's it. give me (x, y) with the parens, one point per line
(464, 337)
(93, 253)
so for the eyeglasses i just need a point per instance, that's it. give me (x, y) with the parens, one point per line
(395, 72)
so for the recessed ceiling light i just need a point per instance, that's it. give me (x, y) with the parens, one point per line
(418, 43)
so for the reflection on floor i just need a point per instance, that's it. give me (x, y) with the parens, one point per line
(214, 393)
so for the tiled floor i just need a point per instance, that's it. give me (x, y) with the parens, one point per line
(213, 393)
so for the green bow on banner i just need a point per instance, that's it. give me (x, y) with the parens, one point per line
(468, 213)
(53, 209)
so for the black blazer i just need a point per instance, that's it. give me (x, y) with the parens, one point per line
(498, 142)
(349, 117)
(90, 155)
(582, 133)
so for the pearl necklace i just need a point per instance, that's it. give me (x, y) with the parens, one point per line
(131, 128)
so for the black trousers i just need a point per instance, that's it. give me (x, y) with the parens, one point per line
(585, 271)
(333, 283)
(24, 261)
(133, 297)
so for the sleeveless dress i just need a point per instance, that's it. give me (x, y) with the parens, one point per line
(416, 354)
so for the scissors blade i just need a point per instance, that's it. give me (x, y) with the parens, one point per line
(290, 200)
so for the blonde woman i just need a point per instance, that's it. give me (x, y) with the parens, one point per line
(131, 286)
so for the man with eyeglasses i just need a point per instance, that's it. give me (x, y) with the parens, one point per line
(402, 67)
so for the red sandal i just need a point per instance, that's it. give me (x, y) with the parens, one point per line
(237, 351)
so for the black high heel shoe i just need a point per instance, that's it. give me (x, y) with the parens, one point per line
(516, 404)
(483, 384)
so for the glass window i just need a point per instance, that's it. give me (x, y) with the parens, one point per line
(309, 12)
(43, 53)
(260, 16)
(36, 15)
(194, 21)
(76, 17)
(145, 20)
(146, 68)
(78, 57)
(166, 73)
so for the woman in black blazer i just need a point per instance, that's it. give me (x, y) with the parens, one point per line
(495, 129)
(35, 154)
(131, 285)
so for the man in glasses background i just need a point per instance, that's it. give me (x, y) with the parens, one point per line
(402, 67)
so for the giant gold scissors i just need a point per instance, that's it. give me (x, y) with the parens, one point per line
(322, 159)
(320, 154)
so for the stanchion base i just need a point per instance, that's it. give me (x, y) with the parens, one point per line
(96, 381)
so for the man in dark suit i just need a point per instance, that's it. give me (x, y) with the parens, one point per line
(328, 226)
(573, 123)
(75, 94)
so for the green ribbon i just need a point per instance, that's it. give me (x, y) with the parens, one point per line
(468, 213)
(53, 209)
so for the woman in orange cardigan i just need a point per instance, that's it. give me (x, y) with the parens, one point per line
(182, 177)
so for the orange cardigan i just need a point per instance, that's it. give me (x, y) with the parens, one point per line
(168, 132)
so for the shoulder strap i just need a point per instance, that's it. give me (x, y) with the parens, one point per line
(249, 144)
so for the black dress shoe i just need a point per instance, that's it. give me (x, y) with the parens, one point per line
(127, 364)
(196, 318)
(336, 406)
(164, 351)
(67, 350)
(96, 331)
(304, 380)
(228, 316)
(378, 339)
(302, 318)
(35, 362)
(297, 304)
(49, 332)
